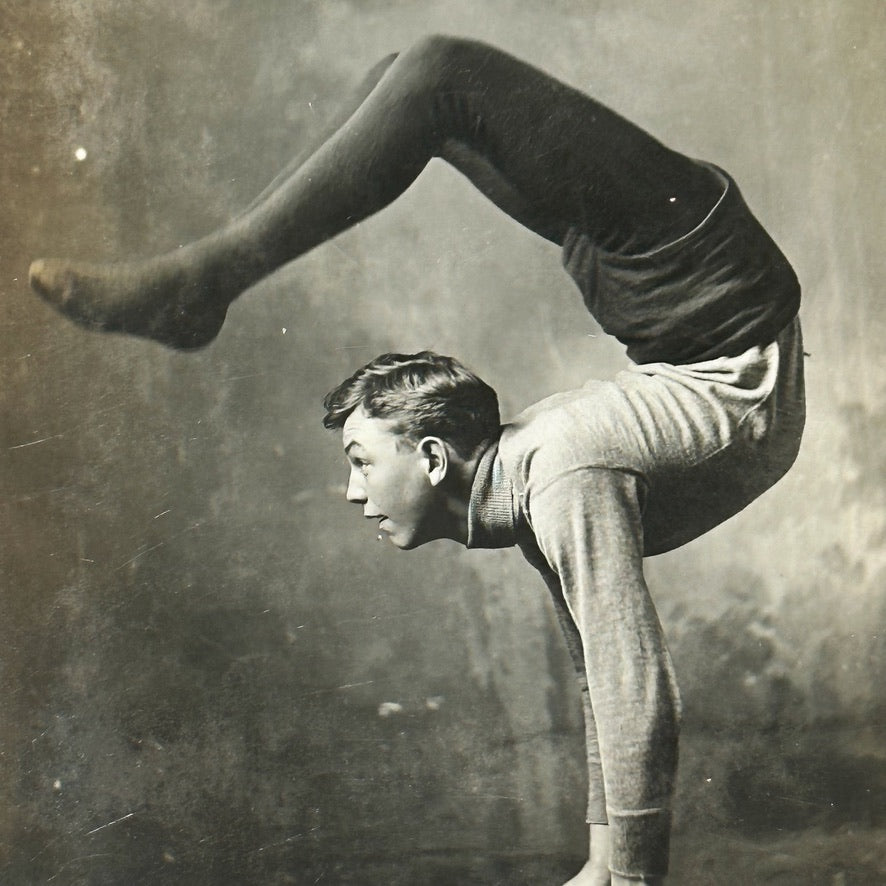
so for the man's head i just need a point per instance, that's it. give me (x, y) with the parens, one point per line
(413, 426)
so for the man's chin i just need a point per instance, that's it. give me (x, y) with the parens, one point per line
(409, 544)
(404, 542)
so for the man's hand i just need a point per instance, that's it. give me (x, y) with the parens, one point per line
(596, 869)
(590, 876)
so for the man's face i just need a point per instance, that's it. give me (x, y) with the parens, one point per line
(389, 478)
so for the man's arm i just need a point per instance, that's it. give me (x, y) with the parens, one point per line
(587, 523)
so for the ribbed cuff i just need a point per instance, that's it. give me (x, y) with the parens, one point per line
(640, 842)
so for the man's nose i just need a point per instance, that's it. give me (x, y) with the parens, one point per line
(355, 494)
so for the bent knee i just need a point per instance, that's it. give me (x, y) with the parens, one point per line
(434, 55)
(440, 46)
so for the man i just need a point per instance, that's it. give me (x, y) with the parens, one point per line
(668, 259)
(585, 483)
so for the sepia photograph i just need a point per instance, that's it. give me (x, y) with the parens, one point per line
(440, 443)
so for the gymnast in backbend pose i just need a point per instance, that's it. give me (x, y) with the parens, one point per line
(668, 259)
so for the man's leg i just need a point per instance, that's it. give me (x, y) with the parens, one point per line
(96, 295)
(331, 126)
(547, 154)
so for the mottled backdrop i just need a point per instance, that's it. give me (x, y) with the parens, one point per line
(212, 673)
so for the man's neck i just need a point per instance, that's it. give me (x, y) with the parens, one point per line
(466, 474)
(458, 498)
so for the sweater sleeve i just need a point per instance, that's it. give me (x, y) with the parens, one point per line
(587, 523)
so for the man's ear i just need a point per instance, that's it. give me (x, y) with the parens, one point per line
(435, 459)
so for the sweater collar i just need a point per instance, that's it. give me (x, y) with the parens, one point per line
(491, 520)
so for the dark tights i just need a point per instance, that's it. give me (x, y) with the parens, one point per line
(546, 154)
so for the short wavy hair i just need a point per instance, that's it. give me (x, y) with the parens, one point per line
(424, 394)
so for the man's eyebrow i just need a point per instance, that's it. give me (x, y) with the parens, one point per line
(350, 446)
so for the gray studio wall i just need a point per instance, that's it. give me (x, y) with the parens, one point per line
(211, 670)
